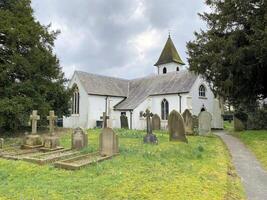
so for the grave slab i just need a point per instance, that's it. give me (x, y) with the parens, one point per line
(50, 157)
(19, 154)
(81, 161)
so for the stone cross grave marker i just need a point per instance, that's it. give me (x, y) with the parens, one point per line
(34, 118)
(176, 127)
(148, 115)
(105, 120)
(52, 118)
(204, 123)
(149, 137)
(33, 140)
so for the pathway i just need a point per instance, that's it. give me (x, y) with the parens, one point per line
(253, 176)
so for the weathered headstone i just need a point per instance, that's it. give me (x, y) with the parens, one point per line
(149, 137)
(155, 122)
(176, 127)
(79, 139)
(195, 124)
(238, 124)
(217, 119)
(52, 141)
(1, 143)
(124, 122)
(33, 140)
(188, 121)
(204, 123)
(108, 142)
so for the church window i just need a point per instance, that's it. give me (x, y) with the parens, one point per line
(164, 109)
(164, 70)
(202, 91)
(75, 101)
(177, 69)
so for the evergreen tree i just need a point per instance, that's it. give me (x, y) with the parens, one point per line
(232, 53)
(30, 75)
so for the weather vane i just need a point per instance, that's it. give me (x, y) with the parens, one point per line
(169, 32)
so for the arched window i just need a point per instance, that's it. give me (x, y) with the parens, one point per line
(164, 109)
(75, 101)
(202, 91)
(164, 70)
(177, 69)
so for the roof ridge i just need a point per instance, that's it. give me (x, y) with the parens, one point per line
(100, 75)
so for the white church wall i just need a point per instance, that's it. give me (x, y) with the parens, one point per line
(97, 105)
(153, 103)
(209, 102)
(197, 101)
(171, 67)
(91, 108)
(78, 120)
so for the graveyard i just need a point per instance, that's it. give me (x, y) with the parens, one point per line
(94, 105)
(200, 169)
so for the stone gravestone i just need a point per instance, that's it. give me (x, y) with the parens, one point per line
(108, 140)
(176, 127)
(155, 122)
(238, 124)
(51, 142)
(149, 137)
(195, 124)
(188, 121)
(217, 119)
(1, 143)
(33, 140)
(79, 139)
(204, 123)
(124, 122)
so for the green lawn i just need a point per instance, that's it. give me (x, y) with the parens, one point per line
(255, 140)
(170, 170)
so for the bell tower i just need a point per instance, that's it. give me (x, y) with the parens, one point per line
(169, 60)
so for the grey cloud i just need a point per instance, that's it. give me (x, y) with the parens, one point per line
(95, 33)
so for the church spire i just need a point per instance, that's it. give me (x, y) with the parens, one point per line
(169, 54)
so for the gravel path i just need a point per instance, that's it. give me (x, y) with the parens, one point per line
(252, 174)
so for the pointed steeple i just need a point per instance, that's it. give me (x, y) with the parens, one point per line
(169, 54)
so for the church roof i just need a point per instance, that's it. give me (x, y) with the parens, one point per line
(171, 83)
(137, 90)
(169, 54)
(103, 85)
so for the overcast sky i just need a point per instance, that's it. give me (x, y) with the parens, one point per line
(121, 38)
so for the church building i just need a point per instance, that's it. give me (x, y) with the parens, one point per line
(172, 88)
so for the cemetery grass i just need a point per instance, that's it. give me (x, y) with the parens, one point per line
(198, 170)
(255, 140)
